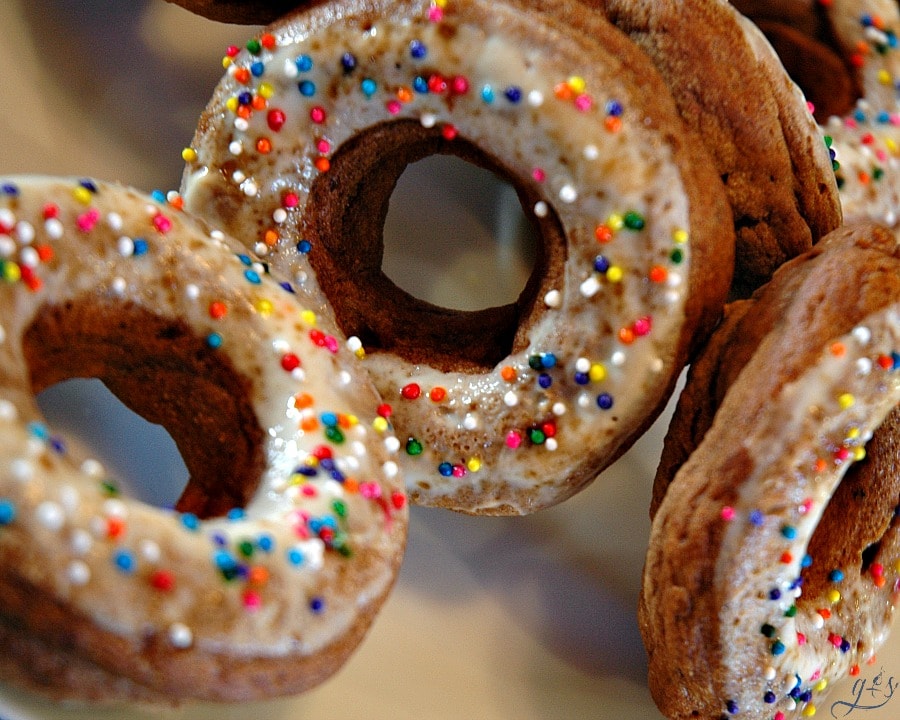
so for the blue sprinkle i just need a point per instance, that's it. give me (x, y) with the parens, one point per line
(778, 647)
(348, 62)
(304, 246)
(756, 517)
(89, 185)
(789, 531)
(487, 94)
(158, 195)
(245, 98)
(614, 108)
(806, 561)
(57, 444)
(304, 63)
(513, 94)
(190, 521)
(7, 512)
(257, 69)
(836, 575)
(582, 378)
(219, 539)
(317, 604)
(420, 84)
(604, 401)
(307, 471)
(252, 276)
(124, 561)
(329, 419)
(265, 542)
(307, 88)
(140, 247)
(235, 514)
(10, 189)
(445, 469)
(368, 87)
(295, 557)
(417, 49)
(774, 594)
(769, 697)
(601, 264)
(544, 380)
(214, 340)
(731, 706)
(548, 360)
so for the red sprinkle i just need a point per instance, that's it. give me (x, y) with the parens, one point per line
(290, 362)
(411, 391)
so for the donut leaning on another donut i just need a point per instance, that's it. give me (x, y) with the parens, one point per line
(846, 56)
(732, 90)
(772, 566)
(508, 409)
(289, 533)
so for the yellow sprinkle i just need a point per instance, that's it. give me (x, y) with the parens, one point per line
(614, 274)
(11, 272)
(615, 221)
(846, 401)
(884, 77)
(891, 145)
(380, 424)
(232, 104)
(809, 710)
(264, 307)
(441, 3)
(308, 316)
(853, 433)
(351, 420)
(897, 566)
(189, 154)
(266, 90)
(82, 195)
(834, 596)
(474, 465)
(576, 83)
(360, 352)
(597, 372)
(821, 685)
(226, 62)
(680, 236)
(859, 454)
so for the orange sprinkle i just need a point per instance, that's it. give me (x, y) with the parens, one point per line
(879, 581)
(626, 336)
(820, 466)
(242, 75)
(115, 527)
(613, 123)
(838, 349)
(437, 394)
(786, 558)
(603, 233)
(259, 102)
(258, 575)
(508, 373)
(864, 177)
(404, 94)
(658, 274)
(263, 146)
(267, 40)
(350, 485)
(45, 252)
(303, 400)
(323, 164)
(217, 310)
(563, 91)
(308, 424)
(271, 237)
(244, 112)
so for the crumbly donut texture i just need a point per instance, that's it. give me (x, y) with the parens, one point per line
(515, 408)
(772, 567)
(287, 538)
(731, 88)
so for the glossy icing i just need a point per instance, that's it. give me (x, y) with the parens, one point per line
(601, 355)
(318, 543)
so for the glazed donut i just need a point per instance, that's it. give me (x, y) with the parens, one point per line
(270, 567)
(513, 408)
(772, 567)
(846, 57)
(731, 88)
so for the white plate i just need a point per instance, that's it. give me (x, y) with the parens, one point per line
(495, 619)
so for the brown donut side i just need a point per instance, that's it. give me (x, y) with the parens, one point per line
(240, 12)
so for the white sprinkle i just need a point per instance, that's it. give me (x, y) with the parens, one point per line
(235, 147)
(864, 366)
(261, 249)
(50, 515)
(180, 636)
(568, 193)
(54, 228)
(279, 216)
(150, 551)
(357, 450)
(511, 399)
(81, 542)
(657, 365)
(390, 469)
(125, 246)
(553, 299)
(559, 409)
(582, 365)
(93, 468)
(591, 152)
(280, 346)
(551, 444)
(345, 378)
(428, 120)
(312, 552)
(217, 235)
(769, 673)
(290, 69)
(29, 257)
(470, 422)
(115, 508)
(535, 98)
(674, 280)
(618, 358)
(862, 334)
(354, 344)
(818, 621)
(21, 470)
(7, 217)
(590, 287)
(79, 573)
(584, 400)
(392, 444)
(7, 246)
(241, 125)
(192, 291)
(238, 176)
(8, 411)
(114, 220)
(250, 188)
(69, 498)
(541, 209)
(25, 232)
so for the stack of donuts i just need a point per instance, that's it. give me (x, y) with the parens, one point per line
(700, 201)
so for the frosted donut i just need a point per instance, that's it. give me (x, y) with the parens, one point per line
(772, 568)
(509, 409)
(845, 54)
(773, 161)
(269, 569)
(253, 12)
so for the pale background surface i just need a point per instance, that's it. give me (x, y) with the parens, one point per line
(492, 619)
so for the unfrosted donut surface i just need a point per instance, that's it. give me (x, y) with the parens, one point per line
(514, 408)
(288, 536)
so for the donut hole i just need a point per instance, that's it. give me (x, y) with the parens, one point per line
(455, 236)
(345, 223)
(159, 369)
(141, 456)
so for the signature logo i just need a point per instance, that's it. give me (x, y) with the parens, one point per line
(867, 694)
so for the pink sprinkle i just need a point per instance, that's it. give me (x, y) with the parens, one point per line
(252, 600)
(323, 146)
(642, 326)
(162, 223)
(801, 638)
(370, 490)
(584, 102)
(539, 174)
(309, 491)
(727, 513)
(805, 506)
(86, 221)
(331, 343)
(318, 114)
(459, 85)
(435, 14)
(459, 471)
(513, 439)
(393, 106)
(290, 200)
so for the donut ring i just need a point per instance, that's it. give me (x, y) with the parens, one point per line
(782, 452)
(846, 57)
(776, 169)
(288, 536)
(509, 409)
